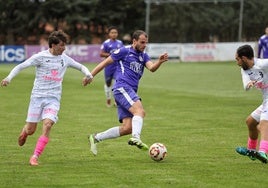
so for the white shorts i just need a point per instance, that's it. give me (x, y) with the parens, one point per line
(261, 113)
(42, 108)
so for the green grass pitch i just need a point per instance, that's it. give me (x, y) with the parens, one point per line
(197, 110)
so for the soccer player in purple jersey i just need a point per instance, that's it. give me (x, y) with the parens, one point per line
(131, 61)
(254, 74)
(263, 45)
(107, 48)
(44, 106)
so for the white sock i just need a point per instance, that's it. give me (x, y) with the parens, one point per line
(108, 134)
(108, 91)
(137, 123)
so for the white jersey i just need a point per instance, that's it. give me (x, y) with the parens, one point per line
(49, 73)
(259, 73)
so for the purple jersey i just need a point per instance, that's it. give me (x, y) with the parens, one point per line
(263, 47)
(131, 66)
(109, 46)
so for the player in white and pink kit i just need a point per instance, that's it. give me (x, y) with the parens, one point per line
(255, 74)
(44, 105)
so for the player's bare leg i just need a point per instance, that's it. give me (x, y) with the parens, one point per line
(28, 129)
(253, 132)
(41, 142)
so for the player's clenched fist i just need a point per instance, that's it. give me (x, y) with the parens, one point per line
(4, 83)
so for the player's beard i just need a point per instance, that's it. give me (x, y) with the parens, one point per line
(244, 65)
(137, 47)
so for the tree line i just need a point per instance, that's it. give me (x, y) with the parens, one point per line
(86, 21)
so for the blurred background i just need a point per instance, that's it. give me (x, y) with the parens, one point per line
(28, 22)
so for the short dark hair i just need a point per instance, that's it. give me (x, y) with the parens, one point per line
(56, 36)
(245, 50)
(138, 33)
(111, 28)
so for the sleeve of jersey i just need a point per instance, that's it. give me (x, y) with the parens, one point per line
(78, 66)
(119, 54)
(147, 57)
(17, 69)
(245, 79)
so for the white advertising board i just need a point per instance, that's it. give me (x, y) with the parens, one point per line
(198, 52)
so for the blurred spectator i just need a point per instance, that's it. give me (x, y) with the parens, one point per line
(126, 39)
(43, 40)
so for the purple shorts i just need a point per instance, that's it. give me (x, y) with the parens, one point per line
(125, 97)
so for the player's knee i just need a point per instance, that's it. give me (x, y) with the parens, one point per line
(125, 130)
(142, 113)
(30, 128)
(249, 120)
(48, 124)
(251, 123)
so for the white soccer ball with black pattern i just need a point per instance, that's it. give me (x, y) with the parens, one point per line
(157, 151)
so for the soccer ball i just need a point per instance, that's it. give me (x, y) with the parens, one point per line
(157, 151)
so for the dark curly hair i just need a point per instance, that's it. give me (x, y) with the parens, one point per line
(56, 36)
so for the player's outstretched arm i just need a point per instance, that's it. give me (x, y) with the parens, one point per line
(101, 65)
(154, 66)
(16, 70)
